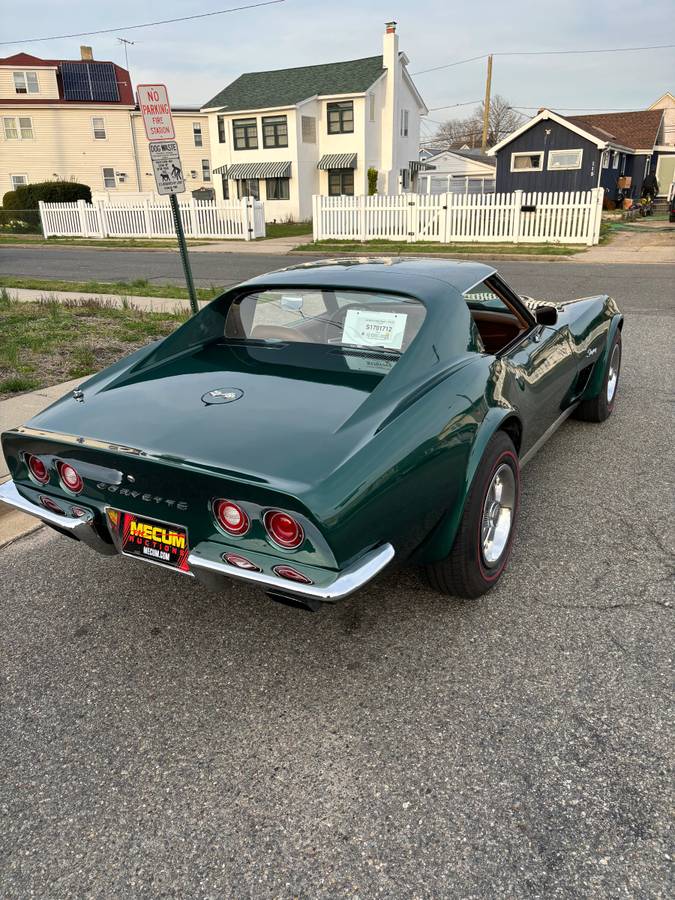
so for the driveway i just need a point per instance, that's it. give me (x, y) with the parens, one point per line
(158, 740)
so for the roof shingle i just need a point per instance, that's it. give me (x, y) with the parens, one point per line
(638, 130)
(286, 87)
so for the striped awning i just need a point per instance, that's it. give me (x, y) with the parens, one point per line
(417, 166)
(260, 170)
(337, 161)
(219, 170)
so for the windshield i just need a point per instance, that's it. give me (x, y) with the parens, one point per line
(348, 321)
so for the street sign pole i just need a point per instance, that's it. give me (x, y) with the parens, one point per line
(182, 246)
(153, 101)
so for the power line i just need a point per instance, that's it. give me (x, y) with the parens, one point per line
(460, 62)
(452, 105)
(577, 108)
(218, 12)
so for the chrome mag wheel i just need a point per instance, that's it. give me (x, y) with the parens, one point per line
(613, 374)
(498, 512)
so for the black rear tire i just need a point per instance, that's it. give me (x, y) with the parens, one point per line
(600, 407)
(465, 572)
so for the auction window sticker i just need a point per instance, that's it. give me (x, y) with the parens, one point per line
(368, 328)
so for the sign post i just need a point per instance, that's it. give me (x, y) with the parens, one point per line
(153, 101)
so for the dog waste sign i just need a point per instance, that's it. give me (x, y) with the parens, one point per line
(167, 167)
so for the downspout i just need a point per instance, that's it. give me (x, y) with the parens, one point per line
(135, 150)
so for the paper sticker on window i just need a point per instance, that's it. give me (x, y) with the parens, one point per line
(367, 328)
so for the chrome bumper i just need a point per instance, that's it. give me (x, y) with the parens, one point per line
(212, 572)
(80, 528)
(205, 560)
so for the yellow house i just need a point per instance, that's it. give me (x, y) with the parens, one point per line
(76, 120)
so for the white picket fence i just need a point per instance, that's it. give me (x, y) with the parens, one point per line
(241, 219)
(537, 218)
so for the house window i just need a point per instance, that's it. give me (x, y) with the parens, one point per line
(278, 188)
(206, 170)
(371, 107)
(532, 161)
(221, 129)
(605, 159)
(404, 123)
(248, 187)
(623, 163)
(615, 159)
(245, 134)
(648, 164)
(98, 127)
(23, 131)
(404, 175)
(197, 134)
(226, 187)
(18, 180)
(341, 117)
(340, 181)
(565, 159)
(275, 131)
(26, 83)
(109, 180)
(308, 130)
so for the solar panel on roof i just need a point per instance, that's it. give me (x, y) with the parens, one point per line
(89, 81)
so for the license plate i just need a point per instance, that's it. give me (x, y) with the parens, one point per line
(153, 541)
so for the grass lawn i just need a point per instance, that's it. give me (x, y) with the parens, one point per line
(395, 248)
(47, 342)
(110, 243)
(138, 288)
(286, 229)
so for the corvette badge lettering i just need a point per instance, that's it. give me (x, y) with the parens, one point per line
(145, 497)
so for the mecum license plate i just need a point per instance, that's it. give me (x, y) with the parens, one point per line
(154, 541)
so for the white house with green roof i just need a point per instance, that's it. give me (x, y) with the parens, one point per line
(285, 135)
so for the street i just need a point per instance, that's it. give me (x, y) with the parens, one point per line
(163, 741)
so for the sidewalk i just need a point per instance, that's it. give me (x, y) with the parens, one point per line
(149, 304)
(273, 246)
(13, 412)
(651, 245)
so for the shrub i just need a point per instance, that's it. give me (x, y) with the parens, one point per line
(25, 199)
(372, 181)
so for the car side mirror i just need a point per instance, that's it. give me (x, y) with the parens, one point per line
(546, 315)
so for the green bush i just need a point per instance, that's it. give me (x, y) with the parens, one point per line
(27, 196)
(372, 181)
(19, 213)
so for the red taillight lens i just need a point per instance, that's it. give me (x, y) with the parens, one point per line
(37, 468)
(240, 562)
(283, 529)
(70, 477)
(291, 574)
(49, 504)
(231, 517)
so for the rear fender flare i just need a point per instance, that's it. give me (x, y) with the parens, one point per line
(597, 378)
(440, 541)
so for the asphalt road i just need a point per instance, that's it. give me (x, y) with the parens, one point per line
(157, 740)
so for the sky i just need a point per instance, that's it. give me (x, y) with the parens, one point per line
(195, 59)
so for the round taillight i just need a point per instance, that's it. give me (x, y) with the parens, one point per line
(291, 574)
(78, 512)
(70, 477)
(231, 517)
(240, 562)
(37, 469)
(283, 529)
(49, 504)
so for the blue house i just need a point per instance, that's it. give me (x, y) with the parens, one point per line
(576, 153)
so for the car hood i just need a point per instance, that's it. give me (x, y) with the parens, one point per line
(285, 424)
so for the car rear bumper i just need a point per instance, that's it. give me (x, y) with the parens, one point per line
(206, 562)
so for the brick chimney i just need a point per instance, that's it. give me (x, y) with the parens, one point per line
(86, 53)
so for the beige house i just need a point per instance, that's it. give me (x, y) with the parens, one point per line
(282, 136)
(665, 145)
(76, 120)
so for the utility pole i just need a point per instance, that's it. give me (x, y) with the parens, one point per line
(486, 104)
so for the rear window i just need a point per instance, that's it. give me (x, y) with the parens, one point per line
(351, 321)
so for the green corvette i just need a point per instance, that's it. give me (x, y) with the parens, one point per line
(314, 425)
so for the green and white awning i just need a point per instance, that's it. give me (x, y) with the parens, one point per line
(337, 161)
(219, 170)
(259, 170)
